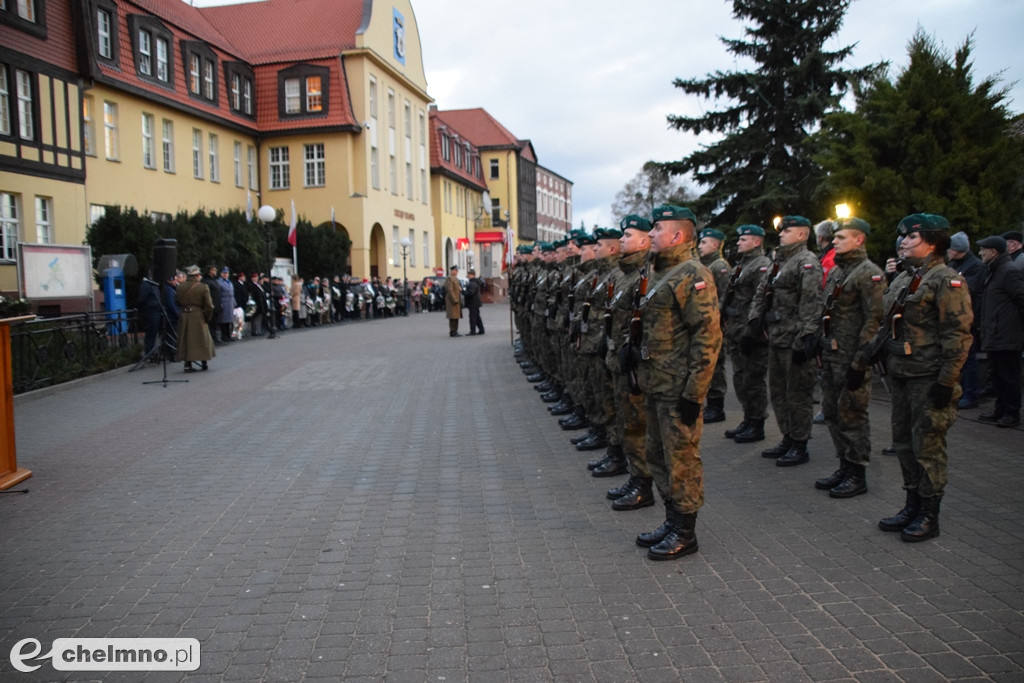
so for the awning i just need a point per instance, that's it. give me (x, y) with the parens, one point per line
(490, 237)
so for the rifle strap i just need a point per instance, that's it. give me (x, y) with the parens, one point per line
(668, 276)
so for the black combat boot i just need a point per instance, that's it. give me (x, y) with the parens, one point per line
(615, 465)
(563, 407)
(620, 491)
(904, 517)
(731, 433)
(536, 377)
(545, 386)
(530, 368)
(714, 411)
(579, 438)
(796, 455)
(926, 524)
(754, 431)
(853, 484)
(553, 396)
(681, 540)
(777, 451)
(655, 537)
(577, 410)
(615, 450)
(832, 480)
(575, 421)
(639, 494)
(596, 441)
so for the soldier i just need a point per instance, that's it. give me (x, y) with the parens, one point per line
(925, 337)
(710, 250)
(750, 362)
(630, 419)
(576, 418)
(680, 346)
(787, 307)
(851, 314)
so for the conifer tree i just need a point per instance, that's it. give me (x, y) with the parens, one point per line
(763, 165)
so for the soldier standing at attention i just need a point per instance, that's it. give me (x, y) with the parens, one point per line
(925, 348)
(787, 306)
(851, 314)
(750, 361)
(681, 343)
(710, 250)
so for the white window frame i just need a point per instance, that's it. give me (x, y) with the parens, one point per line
(167, 144)
(145, 52)
(208, 80)
(26, 120)
(104, 41)
(315, 165)
(111, 146)
(251, 162)
(10, 225)
(197, 154)
(148, 146)
(44, 220)
(247, 96)
(412, 247)
(292, 96)
(27, 10)
(195, 81)
(5, 102)
(214, 156)
(89, 125)
(236, 91)
(238, 164)
(314, 94)
(163, 60)
(279, 169)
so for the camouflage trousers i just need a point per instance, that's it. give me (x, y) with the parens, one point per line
(750, 379)
(673, 454)
(630, 427)
(919, 434)
(846, 413)
(792, 391)
(599, 390)
(718, 383)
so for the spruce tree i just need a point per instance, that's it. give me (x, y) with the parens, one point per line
(930, 141)
(763, 165)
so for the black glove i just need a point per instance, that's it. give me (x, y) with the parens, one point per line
(940, 395)
(688, 412)
(807, 350)
(747, 345)
(854, 379)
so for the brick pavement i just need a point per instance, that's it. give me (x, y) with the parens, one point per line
(378, 502)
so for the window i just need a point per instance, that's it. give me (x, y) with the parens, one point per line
(236, 92)
(110, 142)
(152, 46)
(148, 150)
(446, 147)
(104, 32)
(96, 212)
(396, 255)
(194, 65)
(457, 155)
(494, 169)
(145, 53)
(88, 123)
(423, 158)
(5, 102)
(167, 145)
(251, 161)
(44, 220)
(201, 64)
(426, 247)
(407, 122)
(26, 124)
(208, 82)
(25, 15)
(374, 151)
(279, 173)
(412, 248)
(27, 10)
(495, 211)
(238, 164)
(247, 96)
(315, 165)
(197, 153)
(9, 225)
(302, 91)
(392, 160)
(214, 159)
(163, 62)
(239, 78)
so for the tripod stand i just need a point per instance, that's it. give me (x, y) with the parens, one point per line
(166, 344)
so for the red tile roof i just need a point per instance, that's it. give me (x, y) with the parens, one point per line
(483, 130)
(437, 163)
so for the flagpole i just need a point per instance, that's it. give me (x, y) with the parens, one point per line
(511, 258)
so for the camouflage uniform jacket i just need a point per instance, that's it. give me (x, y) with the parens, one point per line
(857, 312)
(593, 337)
(627, 279)
(936, 323)
(796, 306)
(554, 294)
(570, 268)
(751, 267)
(681, 333)
(583, 280)
(719, 268)
(539, 305)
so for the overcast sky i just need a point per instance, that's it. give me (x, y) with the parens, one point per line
(589, 82)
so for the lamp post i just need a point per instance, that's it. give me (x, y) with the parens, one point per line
(406, 243)
(267, 215)
(842, 210)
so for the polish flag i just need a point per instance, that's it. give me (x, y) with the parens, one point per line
(292, 235)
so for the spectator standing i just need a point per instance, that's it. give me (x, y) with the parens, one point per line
(148, 307)
(826, 252)
(453, 301)
(1013, 247)
(1002, 329)
(211, 282)
(259, 299)
(974, 272)
(226, 317)
(474, 289)
(194, 341)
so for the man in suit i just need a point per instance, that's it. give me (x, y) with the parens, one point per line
(453, 301)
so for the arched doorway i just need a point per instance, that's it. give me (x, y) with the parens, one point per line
(449, 255)
(378, 251)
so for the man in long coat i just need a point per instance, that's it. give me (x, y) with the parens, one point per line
(453, 301)
(194, 341)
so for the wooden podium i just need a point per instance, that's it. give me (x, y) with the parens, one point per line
(10, 473)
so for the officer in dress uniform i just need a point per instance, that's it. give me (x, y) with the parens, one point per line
(710, 250)
(681, 342)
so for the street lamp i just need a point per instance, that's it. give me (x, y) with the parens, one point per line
(267, 215)
(842, 210)
(406, 243)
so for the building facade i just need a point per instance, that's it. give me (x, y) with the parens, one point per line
(554, 205)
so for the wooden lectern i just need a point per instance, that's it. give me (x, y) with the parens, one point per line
(10, 473)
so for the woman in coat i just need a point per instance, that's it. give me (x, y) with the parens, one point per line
(194, 341)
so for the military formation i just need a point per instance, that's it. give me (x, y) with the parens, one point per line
(625, 334)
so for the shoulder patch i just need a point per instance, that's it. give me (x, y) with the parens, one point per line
(763, 269)
(876, 278)
(808, 266)
(955, 283)
(699, 285)
(723, 270)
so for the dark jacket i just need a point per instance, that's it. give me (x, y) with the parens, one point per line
(975, 272)
(472, 292)
(1002, 307)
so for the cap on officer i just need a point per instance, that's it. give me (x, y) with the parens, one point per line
(713, 234)
(668, 212)
(851, 223)
(634, 222)
(750, 229)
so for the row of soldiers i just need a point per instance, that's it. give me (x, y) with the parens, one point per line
(622, 332)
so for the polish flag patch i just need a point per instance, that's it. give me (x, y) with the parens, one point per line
(876, 278)
(808, 266)
(699, 285)
(955, 283)
(764, 270)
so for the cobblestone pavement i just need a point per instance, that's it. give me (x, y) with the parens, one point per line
(379, 502)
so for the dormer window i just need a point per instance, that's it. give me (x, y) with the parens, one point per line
(302, 91)
(201, 66)
(26, 15)
(239, 79)
(152, 44)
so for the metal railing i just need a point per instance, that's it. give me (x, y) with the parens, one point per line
(49, 351)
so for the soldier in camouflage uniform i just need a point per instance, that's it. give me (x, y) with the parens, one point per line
(924, 349)
(630, 425)
(556, 323)
(788, 307)
(681, 343)
(851, 313)
(539, 307)
(577, 418)
(750, 362)
(710, 249)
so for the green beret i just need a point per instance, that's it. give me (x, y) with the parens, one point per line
(922, 222)
(794, 222)
(576, 232)
(607, 233)
(750, 229)
(636, 222)
(524, 249)
(713, 234)
(851, 224)
(667, 212)
(546, 246)
(584, 239)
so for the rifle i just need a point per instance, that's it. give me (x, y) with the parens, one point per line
(826, 317)
(892, 327)
(730, 292)
(769, 295)
(585, 313)
(571, 298)
(636, 329)
(608, 309)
